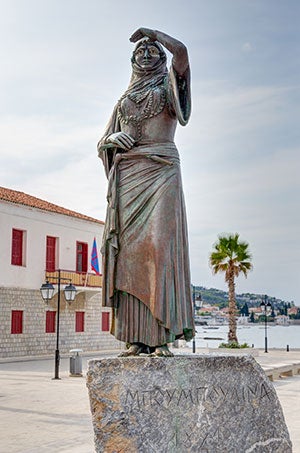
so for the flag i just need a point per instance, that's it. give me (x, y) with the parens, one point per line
(94, 258)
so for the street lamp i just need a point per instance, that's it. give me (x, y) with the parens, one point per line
(197, 303)
(267, 308)
(47, 291)
(70, 292)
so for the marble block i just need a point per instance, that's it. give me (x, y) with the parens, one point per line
(202, 404)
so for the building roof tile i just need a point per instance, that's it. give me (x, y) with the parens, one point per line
(21, 198)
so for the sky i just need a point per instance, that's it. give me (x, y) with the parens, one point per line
(64, 64)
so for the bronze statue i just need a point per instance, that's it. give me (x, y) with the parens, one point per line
(146, 276)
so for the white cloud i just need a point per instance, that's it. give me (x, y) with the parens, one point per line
(53, 159)
(224, 110)
(21, 136)
(247, 47)
(237, 178)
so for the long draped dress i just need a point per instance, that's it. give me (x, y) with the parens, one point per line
(146, 275)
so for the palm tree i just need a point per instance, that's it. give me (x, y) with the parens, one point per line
(232, 257)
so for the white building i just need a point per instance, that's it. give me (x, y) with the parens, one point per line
(282, 320)
(40, 241)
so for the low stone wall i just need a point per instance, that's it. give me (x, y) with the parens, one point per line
(34, 340)
(252, 351)
(207, 403)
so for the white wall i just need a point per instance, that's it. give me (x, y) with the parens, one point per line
(38, 224)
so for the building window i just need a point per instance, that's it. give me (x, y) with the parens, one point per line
(51, 253)
(105, 321)
(17, 247)
(17, 321)
(81, 257)
(79, 321)
(50, 321)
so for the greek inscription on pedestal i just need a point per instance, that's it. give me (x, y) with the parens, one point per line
(173, 397)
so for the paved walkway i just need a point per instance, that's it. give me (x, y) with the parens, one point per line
(41, 415)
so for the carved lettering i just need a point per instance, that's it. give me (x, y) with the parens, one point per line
(173, 442)
(235, 393)
(204, 440)
(216, 395)
(187, 442)
(145, 394)
(252, 390)
(201, 394)
(186, 394)
(132, 397)
(157, 397)
(170, 394)
(224, 392)
(266, 392)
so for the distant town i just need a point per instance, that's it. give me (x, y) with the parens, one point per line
(211, 307)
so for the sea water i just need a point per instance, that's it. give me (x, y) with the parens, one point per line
(278, 336)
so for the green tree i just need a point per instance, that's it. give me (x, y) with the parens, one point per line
(245, 309)
(231, 256)
(273, 315)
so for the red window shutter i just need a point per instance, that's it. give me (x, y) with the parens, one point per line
(105, 321)
(85, 258)
(50, 321)
(81, 257)
(79, 321)
(17, 248)
(50, 254)
(17, 321)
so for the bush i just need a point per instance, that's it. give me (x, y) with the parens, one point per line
(234, 345)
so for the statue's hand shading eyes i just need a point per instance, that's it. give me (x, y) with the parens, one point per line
(121, 140)
(141, 33)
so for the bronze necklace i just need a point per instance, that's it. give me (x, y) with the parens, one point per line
(143, 100)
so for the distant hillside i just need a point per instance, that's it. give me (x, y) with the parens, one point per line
(218, 297)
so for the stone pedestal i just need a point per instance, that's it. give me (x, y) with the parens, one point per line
(202, 404)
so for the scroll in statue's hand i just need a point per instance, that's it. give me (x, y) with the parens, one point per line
(121, 140)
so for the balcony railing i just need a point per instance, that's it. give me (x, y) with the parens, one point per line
(84, 279)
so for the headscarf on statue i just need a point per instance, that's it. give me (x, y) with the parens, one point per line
(141, 82)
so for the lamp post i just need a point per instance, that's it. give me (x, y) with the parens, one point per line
(267, 308)
(197, 302)
(47, 291)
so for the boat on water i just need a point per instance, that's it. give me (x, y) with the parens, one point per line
(199, 321)
(213, 338)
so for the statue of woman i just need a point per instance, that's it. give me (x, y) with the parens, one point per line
(146, 276)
